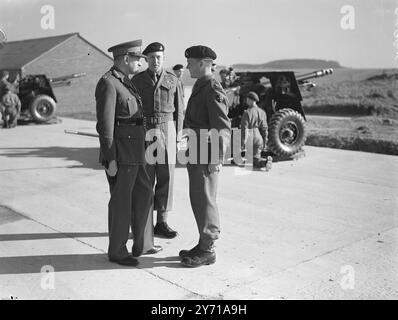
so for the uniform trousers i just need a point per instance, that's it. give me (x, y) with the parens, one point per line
(131, 204)
(202, 194)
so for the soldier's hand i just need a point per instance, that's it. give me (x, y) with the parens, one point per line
(214, 167)
(112, 169)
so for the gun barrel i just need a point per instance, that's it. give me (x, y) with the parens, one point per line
(80, 133)
(68, 77)
(314, 74)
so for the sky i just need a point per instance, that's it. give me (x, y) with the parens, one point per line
(239, 31)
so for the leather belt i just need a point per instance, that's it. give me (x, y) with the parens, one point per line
(129, 121)
(154, 120)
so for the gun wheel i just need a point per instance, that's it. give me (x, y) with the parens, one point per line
(42, 108)
(286, 132)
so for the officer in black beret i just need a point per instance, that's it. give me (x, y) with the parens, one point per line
(163, 104)
(206, 110)
(178, 70)
(122, 153)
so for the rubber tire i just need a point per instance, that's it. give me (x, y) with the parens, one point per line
(278, 120)
(34, 108)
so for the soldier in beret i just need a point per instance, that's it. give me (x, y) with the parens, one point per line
(255, 120)
(206, 110)
(178, 70)
(122, 153)
(163, 110)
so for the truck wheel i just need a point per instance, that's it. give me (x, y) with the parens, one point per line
(286, 132)
(42, 108)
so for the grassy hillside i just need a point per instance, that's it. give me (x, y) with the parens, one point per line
(290, 64)
(355, 92)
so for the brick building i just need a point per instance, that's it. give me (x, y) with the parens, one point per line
(58, 56)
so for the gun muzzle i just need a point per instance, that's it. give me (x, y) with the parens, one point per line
(314, 74)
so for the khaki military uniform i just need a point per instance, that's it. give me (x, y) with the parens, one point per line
(207, 109)
(255, 120)
(122, 138)
(163, 110)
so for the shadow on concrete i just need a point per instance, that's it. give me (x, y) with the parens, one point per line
(76, 262)
(67, 262)
(88, 157)
(41, 236)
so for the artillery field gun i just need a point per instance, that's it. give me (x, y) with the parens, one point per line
(280, 97)
(37, 97)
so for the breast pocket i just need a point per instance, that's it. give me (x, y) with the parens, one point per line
(167, 97)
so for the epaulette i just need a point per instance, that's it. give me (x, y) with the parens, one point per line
(216, 85)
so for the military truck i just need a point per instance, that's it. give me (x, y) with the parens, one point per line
(280, 97)
(38, 102)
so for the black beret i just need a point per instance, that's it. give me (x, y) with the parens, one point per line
(178, 67)
(252, 95)
(153, 47)
(200, 52)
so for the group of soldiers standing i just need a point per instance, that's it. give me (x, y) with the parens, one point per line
(130, 105)
(10, 105)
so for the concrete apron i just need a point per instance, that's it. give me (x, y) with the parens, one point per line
(322, 227)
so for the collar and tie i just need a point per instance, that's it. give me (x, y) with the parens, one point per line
(154, 76)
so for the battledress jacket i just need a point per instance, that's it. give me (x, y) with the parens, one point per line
(116, 98)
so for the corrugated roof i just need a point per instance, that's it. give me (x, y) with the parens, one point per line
(16, 54)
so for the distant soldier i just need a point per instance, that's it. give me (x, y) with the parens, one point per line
(255, 119)
(178, 70)
(10, 107)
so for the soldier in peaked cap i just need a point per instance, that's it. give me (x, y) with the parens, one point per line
(163, 110)
(206, 110)
(122, 153)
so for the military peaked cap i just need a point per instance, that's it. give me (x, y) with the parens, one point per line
(130, 47)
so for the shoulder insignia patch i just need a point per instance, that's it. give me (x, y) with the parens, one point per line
(219, 98)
